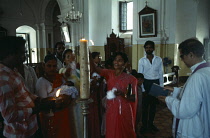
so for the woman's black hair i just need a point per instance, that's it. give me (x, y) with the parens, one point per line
(50, 57)
(123, 55)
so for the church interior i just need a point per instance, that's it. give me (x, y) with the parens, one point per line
(110, 26)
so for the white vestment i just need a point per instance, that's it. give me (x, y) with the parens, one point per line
(191, 105)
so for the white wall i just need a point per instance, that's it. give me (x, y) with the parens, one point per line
(115, 17)
(166, 18)
(170, 20)
(99, 21)
(193, 20)
(186, 19)
(202, 30)
(178, 19)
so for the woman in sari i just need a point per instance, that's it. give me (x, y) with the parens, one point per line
(57, 124)
(121, 108)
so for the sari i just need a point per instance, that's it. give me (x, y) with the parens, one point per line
(120, 112)
(57, 124)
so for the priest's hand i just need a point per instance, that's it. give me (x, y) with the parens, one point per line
(171, 89)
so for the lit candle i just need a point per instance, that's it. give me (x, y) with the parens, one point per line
(57, 98)
(58, 93)
(84, 70)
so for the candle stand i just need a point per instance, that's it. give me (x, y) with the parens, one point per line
(85, 111)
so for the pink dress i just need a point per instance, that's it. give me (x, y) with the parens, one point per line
(120, 113)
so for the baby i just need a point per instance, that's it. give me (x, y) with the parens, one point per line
(71, 73)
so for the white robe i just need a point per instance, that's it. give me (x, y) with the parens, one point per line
(193, 107)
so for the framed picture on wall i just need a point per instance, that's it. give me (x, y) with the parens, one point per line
(65, 29)
(147, 22)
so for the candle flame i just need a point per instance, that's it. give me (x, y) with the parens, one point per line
(58, 92)
(83, 40)
(91, 41)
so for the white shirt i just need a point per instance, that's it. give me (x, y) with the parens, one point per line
(44, 88)
(193, 107)
(30, 78)
(151, 71)
(59, 64)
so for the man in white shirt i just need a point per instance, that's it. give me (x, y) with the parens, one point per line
(151, 67)
(190, 105)
(28, 75)
(58, 49)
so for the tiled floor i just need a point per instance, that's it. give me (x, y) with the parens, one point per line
(163, 120)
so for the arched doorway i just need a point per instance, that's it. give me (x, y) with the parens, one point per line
(29, 34)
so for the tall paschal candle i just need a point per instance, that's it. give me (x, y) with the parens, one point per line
(84, 70)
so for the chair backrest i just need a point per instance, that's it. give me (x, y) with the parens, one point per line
(172, 78)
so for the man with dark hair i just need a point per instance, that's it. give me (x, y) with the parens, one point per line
(96, 58)
(151, 67)
(151, 43)
(58, 50)
(190, 104)
(17, 105)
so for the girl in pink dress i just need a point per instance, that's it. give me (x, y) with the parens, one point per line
(121, 109)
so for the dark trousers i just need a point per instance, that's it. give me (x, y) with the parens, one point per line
(148, 104)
